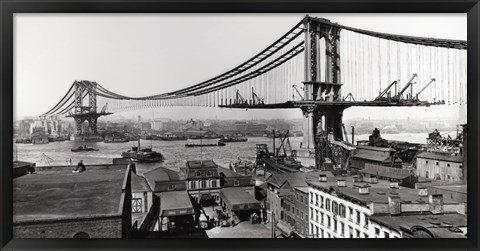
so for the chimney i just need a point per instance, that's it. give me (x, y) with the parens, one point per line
(436, 203)
(322, 178)
(363, 189)
(394, 205)
(394, 184)
(422, 191)
(341, 183)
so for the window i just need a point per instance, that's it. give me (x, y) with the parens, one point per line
(358, 217)
(448, 165)
(137, 205)
(301, 215)
(327, 204)
(387, 235)
(350, 231)
(316, 215)
(342, 211)
(334, 225)
(197, 174)
(171, 187)
(311, 213)
(311, 228)
(311, 198)
(203, 184)
(365, 235)
(357, 232)
(350, 213)
(316, 230)
(321, 233)
(426, 161)
(365, 216)
(436, 163)
(236, 183)
(342, 229)
(335, 207)
(321, 201)
(81, 235)
(328, 221)
(316, 199)
(321, 218)
(192, 184)
(377, 231)
(209, 173)
(297, 197)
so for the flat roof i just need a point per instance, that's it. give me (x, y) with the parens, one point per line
(162, 174)
(378, 193)
(55, 192)
(376, 156)
(375, 148)
(175, 203)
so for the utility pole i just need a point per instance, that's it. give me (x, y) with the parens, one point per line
(273, 225)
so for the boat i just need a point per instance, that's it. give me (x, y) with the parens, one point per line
(204, 142)
(84, 149)
(143, 155)
(234, 139)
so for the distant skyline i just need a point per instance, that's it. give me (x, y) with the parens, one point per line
(145, 54)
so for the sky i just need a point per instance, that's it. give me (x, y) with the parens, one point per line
(146, 54)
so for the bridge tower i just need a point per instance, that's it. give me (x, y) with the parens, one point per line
(325, 117)
(88, 113)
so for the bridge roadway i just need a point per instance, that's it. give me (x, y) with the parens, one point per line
(312, 103)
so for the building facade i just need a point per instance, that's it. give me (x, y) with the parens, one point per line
(440, 167)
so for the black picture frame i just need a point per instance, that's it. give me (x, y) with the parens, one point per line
(9, 7)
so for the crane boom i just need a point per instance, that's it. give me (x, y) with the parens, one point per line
(407, 85)
(386, 90)
(431, 81)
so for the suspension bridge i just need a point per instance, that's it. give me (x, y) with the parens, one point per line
(318, 66)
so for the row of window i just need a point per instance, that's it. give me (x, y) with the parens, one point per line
(203, 184)
(318, 216)
(302, 199)
(336, 208)
(199, 174)
(318, 232)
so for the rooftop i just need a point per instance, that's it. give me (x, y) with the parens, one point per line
(162, 174)
(439, 156)
(378, 193)
(376, 156)
(453, 188)
(236, 196)
(175, 203)
(17, 164)
(201, 164)
(55, 192)
(437, 224)
(139, 184)
(295, 179)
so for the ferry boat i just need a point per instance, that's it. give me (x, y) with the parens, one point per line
(143, 155)
(204, 142)
(84, 149)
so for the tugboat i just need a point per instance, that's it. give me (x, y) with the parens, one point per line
(143, 155)
(84, 149)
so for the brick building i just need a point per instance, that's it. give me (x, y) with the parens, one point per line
(440, 167)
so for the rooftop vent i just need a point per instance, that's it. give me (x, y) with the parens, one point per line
(422, 191)
(363, 188)
(341, 183)
(322, 178)
(394, 184)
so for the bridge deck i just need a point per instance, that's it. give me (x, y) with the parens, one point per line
(299, 104)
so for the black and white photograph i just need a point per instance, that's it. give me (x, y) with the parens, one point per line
(305, 125)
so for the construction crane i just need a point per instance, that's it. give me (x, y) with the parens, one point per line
(410, 83)
(380, 96)
(299, 94)
(256, 99)
(239, 99)
(431, 81)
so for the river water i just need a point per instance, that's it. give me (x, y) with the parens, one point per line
(175, 152)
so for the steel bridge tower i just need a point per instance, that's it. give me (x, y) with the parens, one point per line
(86, 113)
(322, 119)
